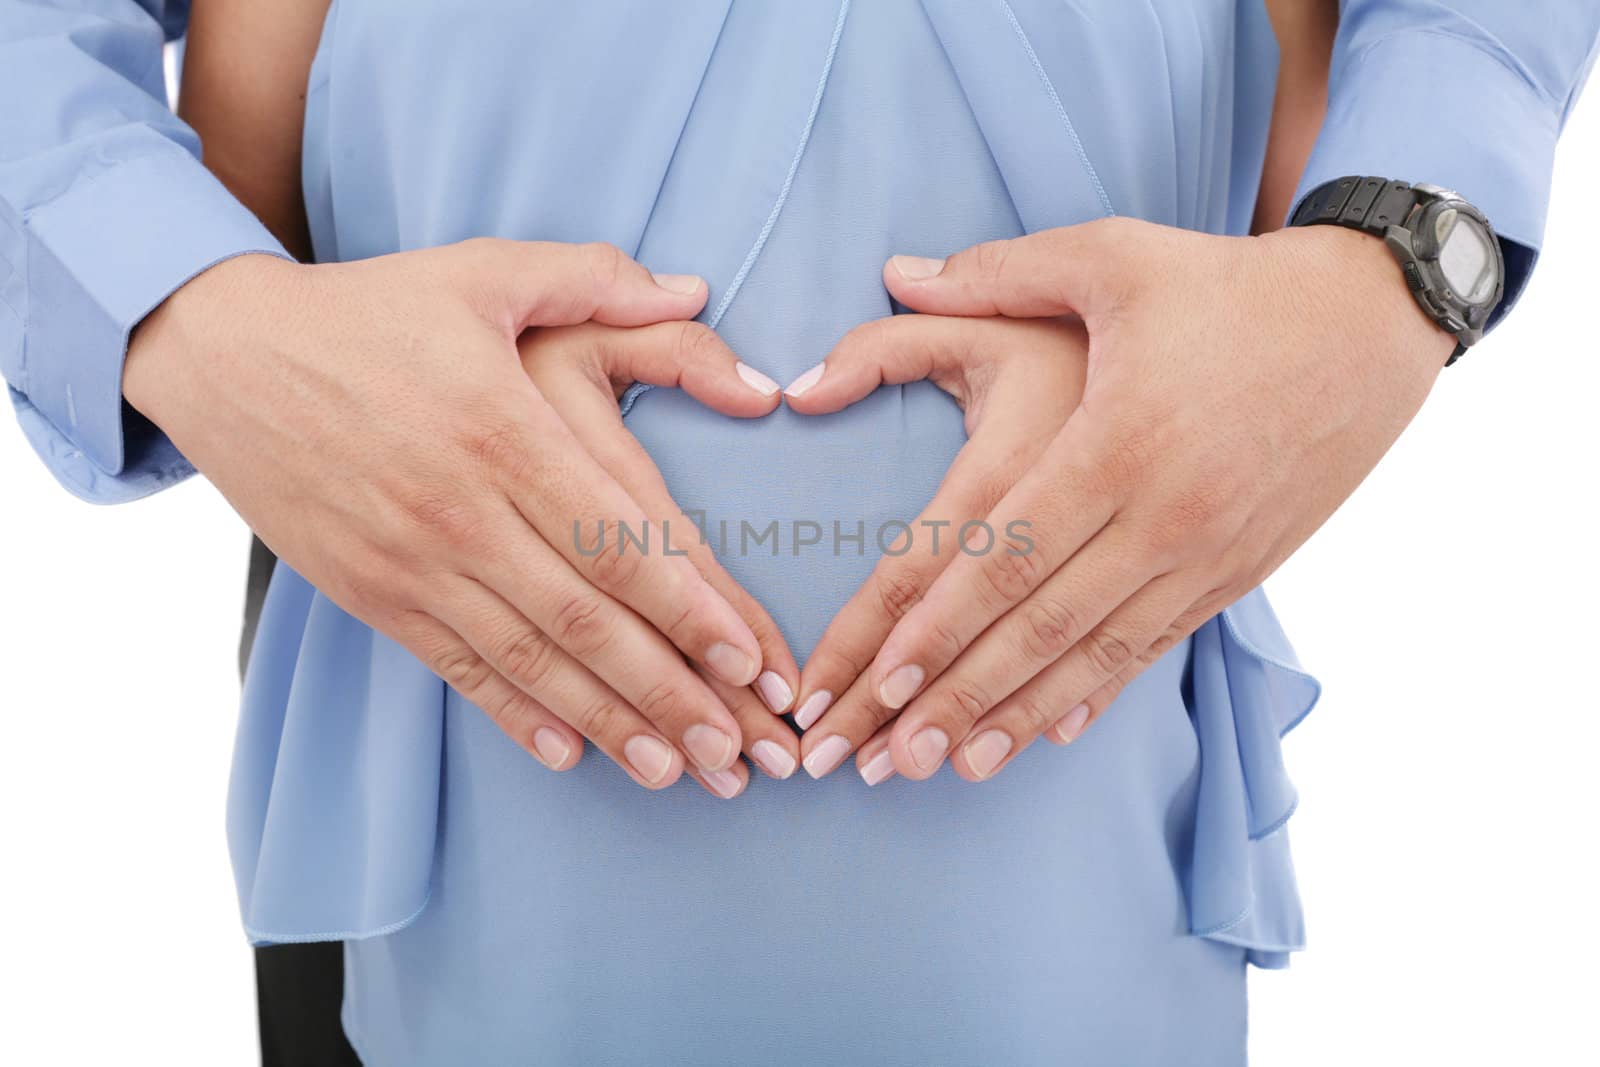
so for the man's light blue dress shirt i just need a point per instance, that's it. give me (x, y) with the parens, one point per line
(1091, 905)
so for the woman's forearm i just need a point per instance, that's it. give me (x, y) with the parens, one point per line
(244, 91)
(1305, 30)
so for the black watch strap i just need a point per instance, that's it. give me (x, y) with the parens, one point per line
(1371, 205)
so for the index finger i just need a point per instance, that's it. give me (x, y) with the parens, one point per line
(1046, 517)
(579, 509)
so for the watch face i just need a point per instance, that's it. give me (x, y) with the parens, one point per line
(1466, 258)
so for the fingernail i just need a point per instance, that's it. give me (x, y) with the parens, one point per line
(900, 686)
(552, 748)
(725, 784)
(826, 756)
(678, 283)
(812, 709)
(1072, 723)
(650, 756)
(917, 268)
(755, 379)
(775, 691)
(879, 768)
(806, 380)
(711, 748)
(773, 758)
(730, 664)
(985, 751)
(928, 747)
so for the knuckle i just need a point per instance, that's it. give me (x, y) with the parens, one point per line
(1034, 713)
(512, 713)
(1195, 507)
(598, 718)
(858, 719)
(942, 641)
(580, 626)
(606, 263)
(1128, 456)
(989, 259)
(836, 663)
(527, 658)
(971, 700)
(461, 669)
(500, 448)
(617, 567)
(445, 515)
(1012, 575)
(1047, 629)
(480, 251)
(1106, 652)
(696, 343)
(663, 703)
(362, 593)
(898, 592)
(874, 335)
(1114, 229)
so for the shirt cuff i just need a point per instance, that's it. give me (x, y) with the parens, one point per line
(1427, 106)
(94, 261)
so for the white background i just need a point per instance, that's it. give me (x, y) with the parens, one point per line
(1446, 838)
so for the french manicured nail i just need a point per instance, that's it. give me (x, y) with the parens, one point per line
(773, 758)
(775, 691)
(917, 268)
(552, 748)
(755, 379)
(928, 747)
(901, 685)
(650, 756)
(678, 283)
(731, 665)
(1071, 724)
(711, 748)
(826, 756)
(879, 768)
(812, 709)
(725, 784)
(806, 380)
(985, 751)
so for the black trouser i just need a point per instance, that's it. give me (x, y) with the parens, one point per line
(299, 988)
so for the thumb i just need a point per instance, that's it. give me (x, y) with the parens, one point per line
(691, 357)
(546, 283)
(1070, 270)
(890, 351)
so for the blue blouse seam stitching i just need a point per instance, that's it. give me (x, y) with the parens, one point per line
(633, 394)
(794, 167)
(345, 935)
(1061, 109)
(1222, 927)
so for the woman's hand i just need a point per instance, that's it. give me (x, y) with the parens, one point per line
(1238, 390)
(582, 371)
(1017, 381)
(372, 423)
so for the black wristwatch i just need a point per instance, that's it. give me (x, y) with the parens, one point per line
(1447, 250)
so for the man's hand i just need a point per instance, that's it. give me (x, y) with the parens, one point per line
(1238, 390)
(372, 422)
(1016, 381)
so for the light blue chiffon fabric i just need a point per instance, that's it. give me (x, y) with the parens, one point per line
(1096, 902)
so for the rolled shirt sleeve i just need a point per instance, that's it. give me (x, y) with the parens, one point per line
(1469, 94)
(105, 210)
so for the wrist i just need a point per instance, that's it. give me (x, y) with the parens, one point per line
(212, 316)
(1358, 274)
